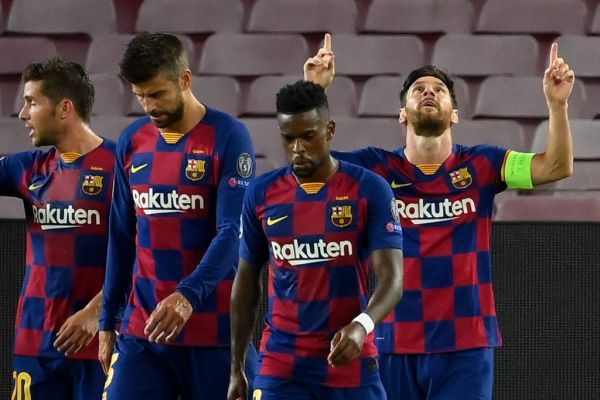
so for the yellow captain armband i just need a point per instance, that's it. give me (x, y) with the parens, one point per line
(517, 170)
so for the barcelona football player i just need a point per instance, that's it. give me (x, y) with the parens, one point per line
(438, 343)
(66, 191)
(180, 178)
(316, 223)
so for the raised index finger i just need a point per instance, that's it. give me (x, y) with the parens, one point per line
(327, 42)
(553, 53)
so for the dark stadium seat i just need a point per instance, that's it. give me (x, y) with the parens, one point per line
(549, 208)
(501, 133)
(14, 136)
(253, 54)
(190, 16)
(11, 208)
(110, 94)
(109, 99)
(522, 97)
(303, 16)
(422, 16)
(266, 139)
(19, 51)
(582, 53)
(371, 54)
(62, 16)
(380, 97)
(356, 133)
(105, 51)
(532, 16)
(586, 176)
(109, 126)
(260, 100)
(221, 92)
(586, 138)
(595, 28)
(482, 55)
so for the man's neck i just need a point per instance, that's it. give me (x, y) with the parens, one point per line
(78, 138)
(428, 149)
(193, 112)
(327, 170)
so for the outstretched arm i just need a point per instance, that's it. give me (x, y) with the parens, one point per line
(320, 69)
(557, 161)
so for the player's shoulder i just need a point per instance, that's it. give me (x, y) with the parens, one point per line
(224, 123)
(133, 128)
(262, 181)
(29, 157)
(109, 145)
(479, 149)
(361, 174)
(367, 157)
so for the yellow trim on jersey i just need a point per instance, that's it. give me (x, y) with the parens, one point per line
(429, 169)
(312, 187)
(172, 137)
(70, 157)
(517, 170)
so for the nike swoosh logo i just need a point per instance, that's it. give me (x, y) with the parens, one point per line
(135, 169)
(34, 186)
(276, 220)
(399, 185)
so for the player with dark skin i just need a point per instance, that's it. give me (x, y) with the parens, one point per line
(306, 139)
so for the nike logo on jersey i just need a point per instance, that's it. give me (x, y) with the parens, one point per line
(135, 169)
(399, 185)
(33, 186)
(276, 220)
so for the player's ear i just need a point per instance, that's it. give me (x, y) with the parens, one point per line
(330, 129)
(454, 116)
(186, 79)
(402, 117)
(64, 108)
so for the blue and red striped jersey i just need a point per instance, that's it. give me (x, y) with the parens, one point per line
(448, 301)
(66, 207)
(174, 225)
(317, 246)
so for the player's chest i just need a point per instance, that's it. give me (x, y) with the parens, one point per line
(173, 168)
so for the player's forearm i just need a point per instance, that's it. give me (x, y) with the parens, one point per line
(95, 304)
(244, 303)
(557, 160)
(387, 264)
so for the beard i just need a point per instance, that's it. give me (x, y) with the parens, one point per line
(428, 125)
(305, 171)
(170, 117)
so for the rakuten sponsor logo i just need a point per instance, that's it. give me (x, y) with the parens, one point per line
(297, 253)
(423, 212)
(52, 217)
(152, 202)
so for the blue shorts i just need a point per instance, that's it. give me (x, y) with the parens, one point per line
(285, 389)
(150, 371)
(461, 375)
(44, 378)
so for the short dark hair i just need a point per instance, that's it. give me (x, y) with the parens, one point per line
(62, 79)
(149, 54)
(428, 70)
(300, 97)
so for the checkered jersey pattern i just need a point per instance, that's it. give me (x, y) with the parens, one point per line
(448, 301)
(66, 207)
(317, 246)
(175, 225)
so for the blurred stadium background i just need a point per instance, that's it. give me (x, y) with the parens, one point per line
(241, 52)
